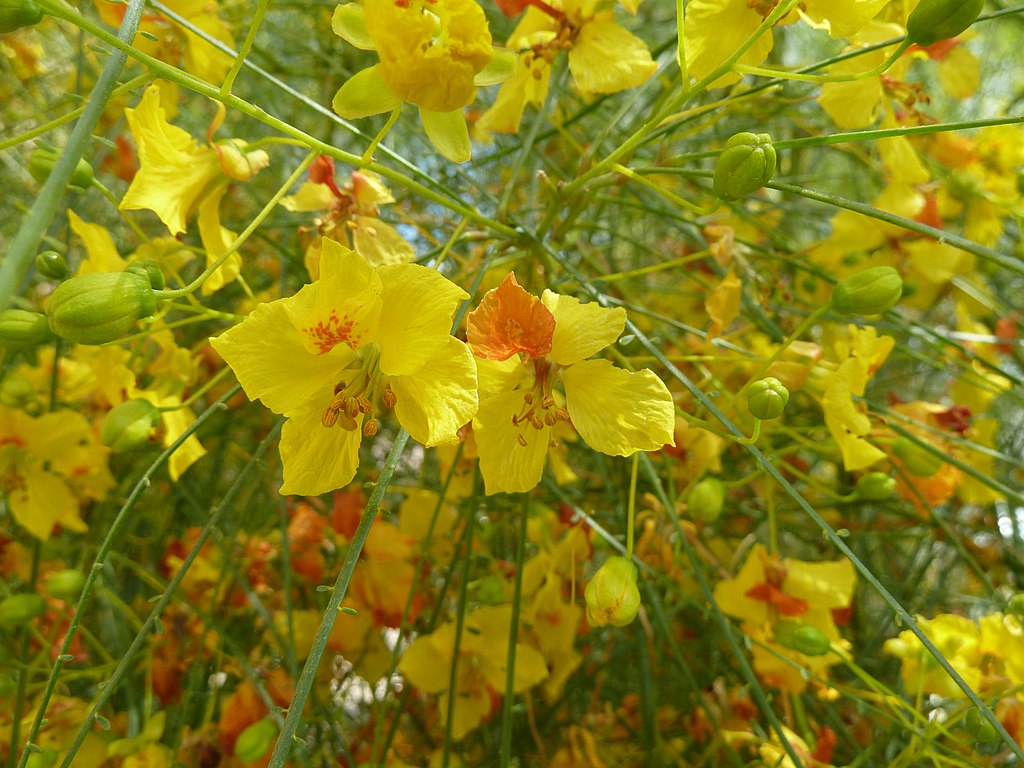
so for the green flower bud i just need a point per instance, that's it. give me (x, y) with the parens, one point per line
(128, 425)
(803, 638)
(43, 159)
(706, 499)
(870, 292)
(21, 329)
(934, 20)
(100, 307)
(915, 459)
(767, 398)
(65, 585)
(15, 14)
(52, 265)
(150, 269)
(16, 390)
(254, 741)
(746, 164)
(491, 590)
(612, 594)
(47, 758)
(1015, 605)
(981, 729)
(876, 486)
(18, 610)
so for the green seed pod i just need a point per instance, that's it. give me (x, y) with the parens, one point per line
(981, 729)
(52, 265)
(65, 585)
(767, 398)
(254, 741)
(127, 426)
(612, 595)
(870, 292)
(804, 638)
(706, 499)
(916, 460)
(150, 269)
(876, 486)
(934, 20)
(100, 307)
(1015, 605)
(43, 159)
(21, 329)
(746, 164)
(18, 610)
(15, 14)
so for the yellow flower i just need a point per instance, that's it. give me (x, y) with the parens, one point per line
(46, 465)
(325, 355)
(525, 347)
(603, 58)
(433, 53)
(957, 638)
(482, 671)
(177, 178)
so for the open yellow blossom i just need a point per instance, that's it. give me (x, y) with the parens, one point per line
(433, 53)
(178, 178)
(528, 345)
(326, 355)
(603, 58)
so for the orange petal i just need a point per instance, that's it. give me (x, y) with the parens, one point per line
(510, 320)
(786, 604)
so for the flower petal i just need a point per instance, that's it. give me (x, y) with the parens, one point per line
(364, 94)
(618, 412)
(44, 501)
(508, 321)
(440, 398)
(349, 23)
(379, 243)
(216, 240)
(607, 59)
(448, 133)
(418, 305)
(318, 459)
(581, 329)
(506, 465)
(257, 348)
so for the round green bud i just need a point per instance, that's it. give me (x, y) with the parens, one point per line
(16, 390)
(746, 164)
(706, 499)
(127, 426)
(66, 584)
(915, 459)
(43, 159)
(612, 594)
(876, 486)
(52, 265)
(100, 307)
(1015, 605)
(18, 610)
(47, 758)
(767, 398)
(491, 590)
(803, 638)
(870, 292)
(254, 741)
(21, 329)
(15, 14)
(981, 729)
(150, 269)
(934, 20)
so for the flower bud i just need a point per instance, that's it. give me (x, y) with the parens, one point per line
(52, 265)
(767, 398)
(915, 459)
(18, 610)
(981, 729)
(127, 426)
(99, 307)
(612, 594)
(803, 638)
(934, 20)
(150, 269)
(876, 486)
(43, 159)
(46, 758)
(15, 14)
(1015, 605)
(254, 741)
(870, 292)
(16, 391)
(706, 499)
(65, 585)
(21, 329)
(239, 164)
(746, 164)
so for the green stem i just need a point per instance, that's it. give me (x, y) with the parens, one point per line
(243, 51)
(19, 255)
(631, 511)
(388, 125)
(513, 637)
(305, 684)
(841, 78)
